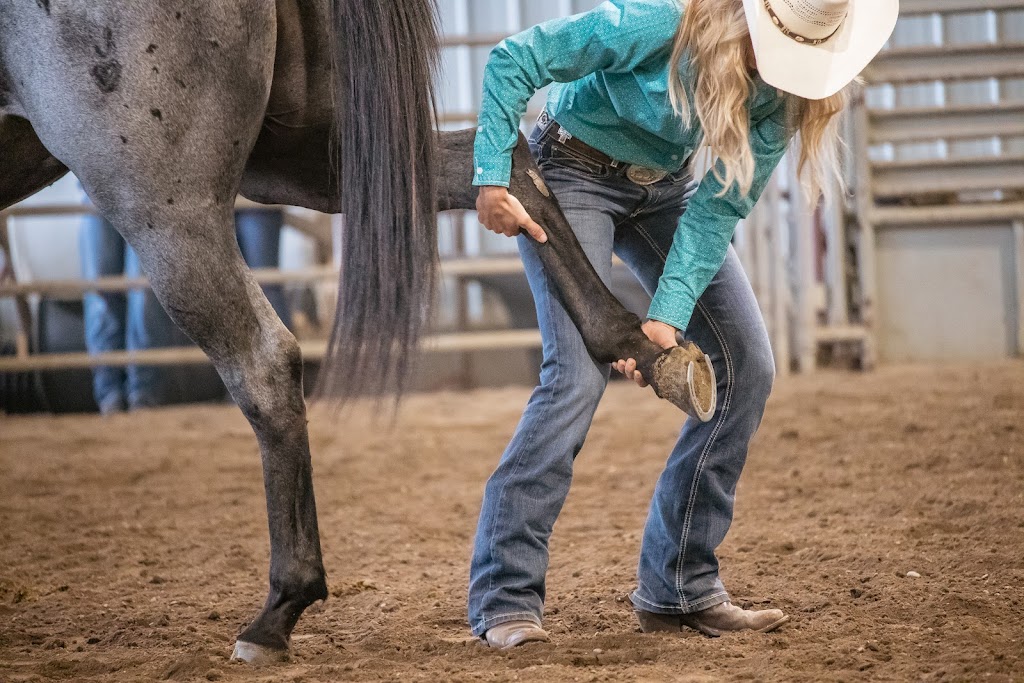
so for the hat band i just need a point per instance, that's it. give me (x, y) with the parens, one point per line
(796, 36)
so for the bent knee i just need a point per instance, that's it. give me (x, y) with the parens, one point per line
(577, 384)
(755, 375)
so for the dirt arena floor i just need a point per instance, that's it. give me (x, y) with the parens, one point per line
(135, 548)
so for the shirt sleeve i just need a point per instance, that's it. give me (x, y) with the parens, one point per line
(705, 229)
(616, 36)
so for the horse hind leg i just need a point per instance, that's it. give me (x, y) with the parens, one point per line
(162, 158)
(197, 272)
(191, 255)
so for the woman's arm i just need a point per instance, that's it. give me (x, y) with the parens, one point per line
(706, 228)
(616, 36)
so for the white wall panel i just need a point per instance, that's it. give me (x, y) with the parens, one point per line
(946, 294)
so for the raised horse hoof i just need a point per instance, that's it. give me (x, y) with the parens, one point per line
(258, 655)
(684, 376)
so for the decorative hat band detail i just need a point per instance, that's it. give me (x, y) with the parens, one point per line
(796, 36)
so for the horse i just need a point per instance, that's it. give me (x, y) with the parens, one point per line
(167, 110)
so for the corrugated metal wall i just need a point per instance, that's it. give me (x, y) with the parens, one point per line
(949, 292)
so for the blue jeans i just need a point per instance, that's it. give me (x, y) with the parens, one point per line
(118, 321)
(134, 321)
(693, 502)
(259, 237)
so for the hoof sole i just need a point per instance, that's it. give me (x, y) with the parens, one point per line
(257, 655)
(685, 377)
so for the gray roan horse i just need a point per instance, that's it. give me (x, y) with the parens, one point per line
(166, 109)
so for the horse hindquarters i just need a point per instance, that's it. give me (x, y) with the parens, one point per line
(159, 136)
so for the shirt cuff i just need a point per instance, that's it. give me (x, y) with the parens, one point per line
(674, 311)
(495, 171)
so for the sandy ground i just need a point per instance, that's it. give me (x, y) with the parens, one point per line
(135, 548)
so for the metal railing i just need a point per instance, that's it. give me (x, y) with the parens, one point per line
(25, 360)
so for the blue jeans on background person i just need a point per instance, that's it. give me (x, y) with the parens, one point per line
(120, 321)
(259, 238)
(135, 321)
(691, 510)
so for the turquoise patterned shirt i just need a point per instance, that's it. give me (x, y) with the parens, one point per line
(610, 67)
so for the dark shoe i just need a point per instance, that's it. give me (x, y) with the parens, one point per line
(713, 621)
(515, 633)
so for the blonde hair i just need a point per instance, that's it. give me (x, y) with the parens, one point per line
(714, 36)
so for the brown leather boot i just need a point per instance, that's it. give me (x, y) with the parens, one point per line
(713, 621)
(515, 633)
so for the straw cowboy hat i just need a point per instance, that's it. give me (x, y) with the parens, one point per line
(813, 48)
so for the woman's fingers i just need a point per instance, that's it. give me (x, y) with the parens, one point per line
(634, 374)
(533, 229)
(504, 214)
(628, 368)
(524, 221)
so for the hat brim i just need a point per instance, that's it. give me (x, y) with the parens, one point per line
(815, 72)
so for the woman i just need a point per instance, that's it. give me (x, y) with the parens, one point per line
(642, 84)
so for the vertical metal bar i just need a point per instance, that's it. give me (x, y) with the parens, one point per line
(836, 238)
(803, 226)
(513, 15)
(835, 257)
(461, 222)
(866, 245)
(756, 261)
(780, 284)
(1018, 242)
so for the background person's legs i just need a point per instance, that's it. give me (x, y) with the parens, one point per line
(102, 253)
(148, 327)
(259, 238)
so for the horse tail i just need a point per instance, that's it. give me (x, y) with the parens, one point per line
(384, 58)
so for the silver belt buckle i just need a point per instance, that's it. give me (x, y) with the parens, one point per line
(644, 176)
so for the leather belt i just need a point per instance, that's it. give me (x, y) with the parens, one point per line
(566, 139)
(640, 175)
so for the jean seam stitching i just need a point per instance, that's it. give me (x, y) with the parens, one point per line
(697, 604)
(700, 604)
(650, 240)
(507, 617)
(688, 516)
(529, 440)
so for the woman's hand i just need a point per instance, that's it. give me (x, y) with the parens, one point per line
(502, 213)
(660, 333)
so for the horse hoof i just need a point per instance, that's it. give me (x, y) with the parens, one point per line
(684, 376)
(258, 655)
